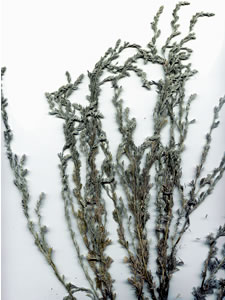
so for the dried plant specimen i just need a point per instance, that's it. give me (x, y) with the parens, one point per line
(212, 265)
(84, 200)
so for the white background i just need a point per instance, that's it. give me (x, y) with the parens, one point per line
(43, 39)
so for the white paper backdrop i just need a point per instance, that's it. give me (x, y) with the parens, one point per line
(43, 39)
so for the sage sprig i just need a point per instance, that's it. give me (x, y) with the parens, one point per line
(212, 264)
(150, 175)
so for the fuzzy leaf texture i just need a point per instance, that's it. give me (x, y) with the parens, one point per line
(143, 183)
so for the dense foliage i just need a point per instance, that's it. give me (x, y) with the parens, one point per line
(135, 169)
